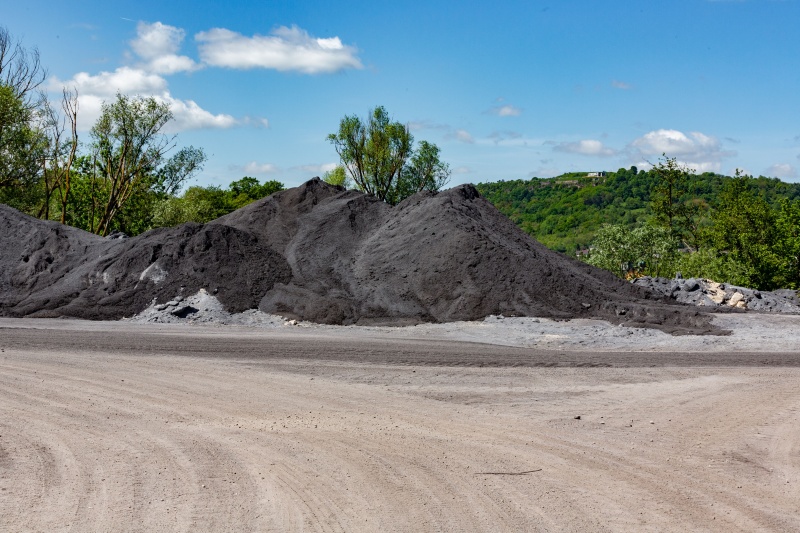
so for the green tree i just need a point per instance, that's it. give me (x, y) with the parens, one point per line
(21, 70)
(248, 190)
(424, 172)
(338, 176)
(129, 151)
(679, 214)
(61, 153)
(788, 245)
(647, 250)
(375, 154)
(23, 148)
(744, 226)
(203, 204)
(23, 143)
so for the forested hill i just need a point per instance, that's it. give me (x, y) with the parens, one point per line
(564, 212)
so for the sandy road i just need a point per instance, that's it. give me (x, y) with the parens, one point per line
(125, 427)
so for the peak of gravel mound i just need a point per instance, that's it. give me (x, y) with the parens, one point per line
(323, 254)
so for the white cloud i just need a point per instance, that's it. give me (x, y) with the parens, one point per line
(620, 85)
(782, 170)
(506, 111)
(187, 115)
(318, 169)
(93, 90)
(696, 150)
(125, 80)
(284, 49)
(462, 170)
(259, 168)
(463, 136)
(588, 147)
(158, 45)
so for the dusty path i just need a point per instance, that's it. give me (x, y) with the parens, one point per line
(122, 427)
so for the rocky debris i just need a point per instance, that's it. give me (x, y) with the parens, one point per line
(707, 293)
(203, 308)
(322, 254)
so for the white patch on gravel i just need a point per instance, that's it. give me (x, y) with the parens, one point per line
(155, 273)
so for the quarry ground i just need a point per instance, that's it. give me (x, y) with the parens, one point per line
(471, 426)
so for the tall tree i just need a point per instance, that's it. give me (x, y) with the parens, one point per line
(21, 70)
(57, 163)
(129, 150)
(22, 151)
(374, 151)
(745, 229)
(680, 214)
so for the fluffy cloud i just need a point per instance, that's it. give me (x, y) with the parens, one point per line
(695, 150)
(782, 170)
(93, 90)
(187, 115)
(125, 80)
(158, 45)
(284, 49)
(588, 147)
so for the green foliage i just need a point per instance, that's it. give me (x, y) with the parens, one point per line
(742, 230)
(375, 154)
(203, 204)
(248, 190)
(338, 176)
(709, 263)
(565, 213)
(647, 250)
(424, 172)
(673, 204)
(118, 183)
(22, 150)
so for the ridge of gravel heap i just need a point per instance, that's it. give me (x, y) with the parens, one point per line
(322, 254)
(708, 293)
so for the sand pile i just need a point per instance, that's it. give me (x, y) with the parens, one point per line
(322, 254)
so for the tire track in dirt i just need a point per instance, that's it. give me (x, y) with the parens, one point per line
(111, 441)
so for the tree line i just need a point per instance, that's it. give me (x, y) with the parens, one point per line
(737, 229)
(130, 175)
(113, 182)
(744, 236)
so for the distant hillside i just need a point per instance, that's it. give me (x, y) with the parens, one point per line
(564, 212)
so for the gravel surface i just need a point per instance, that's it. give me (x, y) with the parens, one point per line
(126, 426)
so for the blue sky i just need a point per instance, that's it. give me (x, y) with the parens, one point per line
(507, 90)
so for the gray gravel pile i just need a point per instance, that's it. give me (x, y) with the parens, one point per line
(204, 308)
(322, 254)
(707, 293)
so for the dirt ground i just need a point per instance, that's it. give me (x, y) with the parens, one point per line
(121, 426)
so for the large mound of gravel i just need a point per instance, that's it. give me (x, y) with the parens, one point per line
(319, 253)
